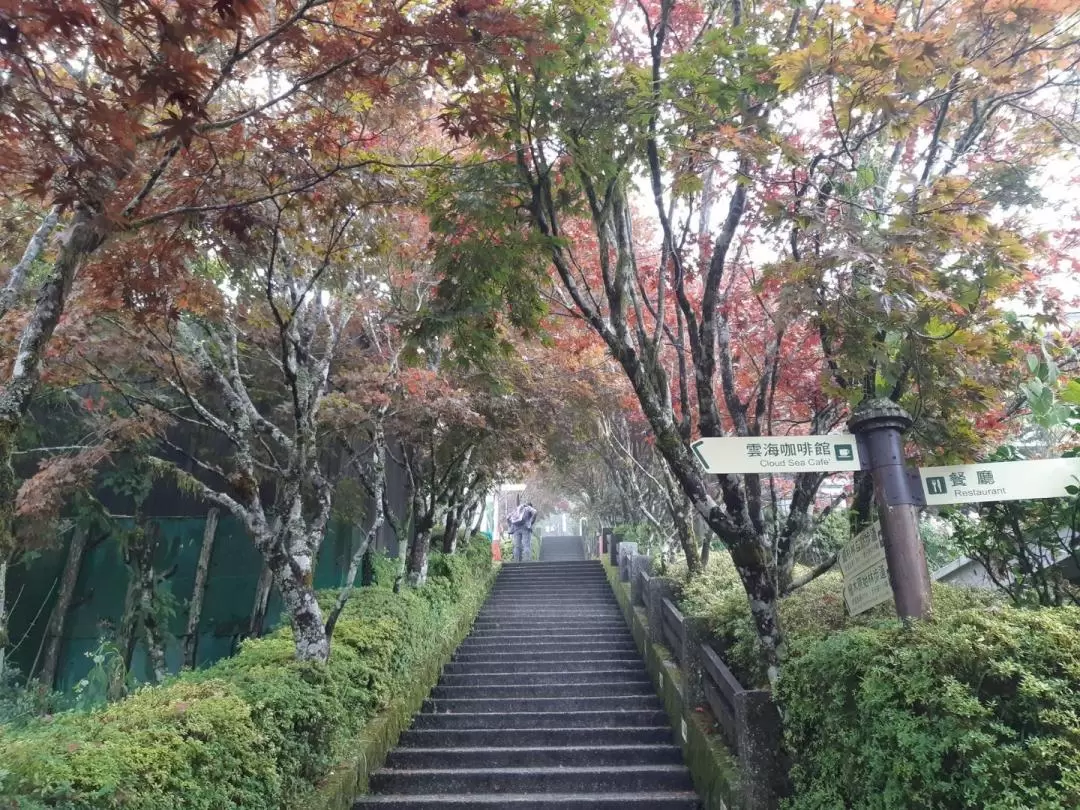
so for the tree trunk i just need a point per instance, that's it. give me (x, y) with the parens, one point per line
(449, 541)
(682, 517)
(262, 600)
(83, 237)
(418, 557)
(293, 578)
(153, 636)
(3, 615)
(55, 633)
(476, 520)
(125, 637)
(9, 295)
(198, 590)
(354, 568)
(8, 489)
(423, 521)
(367, 568)
(141, 608)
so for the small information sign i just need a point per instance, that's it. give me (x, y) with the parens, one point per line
(864, 550)
(866, 574)
(778, 454)
(867, 589)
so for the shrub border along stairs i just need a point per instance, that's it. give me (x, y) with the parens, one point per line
(341, 786)
(258, 730)
(724, 781)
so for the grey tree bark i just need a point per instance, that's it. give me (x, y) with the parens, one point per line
(262, 600)
(57, 620)
(198, 589)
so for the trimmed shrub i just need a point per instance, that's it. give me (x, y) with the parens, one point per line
(980, 709)
(258, 730)
(190, 745)
(807, 616)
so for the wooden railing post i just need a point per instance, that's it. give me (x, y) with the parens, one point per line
(659, 589)
(626, 554)
(758, 726)
(640, 564)
(692, 663)
(613, 545)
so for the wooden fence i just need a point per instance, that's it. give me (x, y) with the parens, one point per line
(747, 719)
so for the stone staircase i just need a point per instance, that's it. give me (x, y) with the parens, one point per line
(561, 548)
(545, 706)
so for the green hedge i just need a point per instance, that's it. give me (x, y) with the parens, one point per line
(807, 616)
(980, 711)
(258, 730)
(978, 708)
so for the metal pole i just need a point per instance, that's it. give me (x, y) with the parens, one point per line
(880, 424)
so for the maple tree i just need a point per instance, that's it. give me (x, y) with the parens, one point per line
(837, 197)
(152, 117)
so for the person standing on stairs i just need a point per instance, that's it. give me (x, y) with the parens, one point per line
(512, 521)
(521, 526)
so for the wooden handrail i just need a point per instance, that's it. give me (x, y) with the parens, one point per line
(723, 677)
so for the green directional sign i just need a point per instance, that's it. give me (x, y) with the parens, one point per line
(778, 454)
(1000, 481)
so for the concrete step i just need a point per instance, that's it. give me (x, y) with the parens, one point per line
(629, 779)
(557, 579)
(554, 602)
(653, 800)
(547, 600)
(581, 703)
(546, 706)
(573, 719)
(503, 667)
(561, 587)
(605, 614)
(526, 609)
(601, 654)
(548, 633)
(536, 737)
(544, 609)
(498, 680)
(510, 569)
(518, 644)
(534, 756)
(638, 686)
(596, 629)
(548, 621)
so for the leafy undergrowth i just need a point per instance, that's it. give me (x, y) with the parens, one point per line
(258, 730)
(977, 708)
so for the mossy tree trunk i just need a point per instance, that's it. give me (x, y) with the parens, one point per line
(198, 590)
(256, 625)
(142, 608)
(58, 619)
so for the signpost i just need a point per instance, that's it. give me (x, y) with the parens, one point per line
(778, 454)
(1000, 481)
(866, 574)
(890, 561)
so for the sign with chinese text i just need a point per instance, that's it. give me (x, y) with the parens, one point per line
(864, 550)
(1000, 481)
(868, 588)
(778, 454)
(866, 574)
